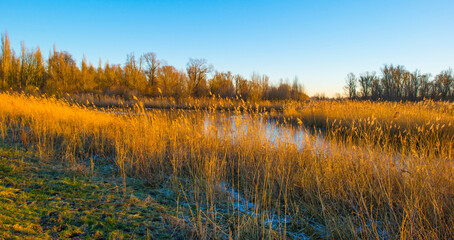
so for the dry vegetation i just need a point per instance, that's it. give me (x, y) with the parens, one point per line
(202, 103)
(385, 170)
(409, 128)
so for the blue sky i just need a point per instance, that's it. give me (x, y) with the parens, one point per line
(318, 41)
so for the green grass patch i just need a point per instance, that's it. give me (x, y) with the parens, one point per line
(47, 200)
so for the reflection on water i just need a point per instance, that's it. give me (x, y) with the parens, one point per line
(246, 125)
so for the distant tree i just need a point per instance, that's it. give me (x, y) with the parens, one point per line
(38, 71)
(264, 83)
(319, 96)
(108, 78)
(32, 72)
(412, 85)
(284, 91)
(62, 73)
(376, 89)
(365, 81)
(295, 87)
(23, 67)
(151, 71)
(222, 84)
(87, 77)
(392, 81)
(242, 88)
(396, 84)
(197, 70)
(14, 74)
(100, 78)
(425, 86)
(406, 86)
(134, 77)
(256, 92)
(444, 84)
(6, 61)
(172, 83)
(350, 86)
(297, 92)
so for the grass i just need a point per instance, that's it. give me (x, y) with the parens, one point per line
(43, 200)
(242, 186)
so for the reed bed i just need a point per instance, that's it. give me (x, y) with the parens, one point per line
(186, 103)
(413, 128)
(237, 184)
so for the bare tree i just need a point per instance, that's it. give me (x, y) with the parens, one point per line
(406, 85)
(87, 76)
(241, 87)
(350, 86)
(172, 82)
(376, 90)
(392, 81)
(444, 83)
(151, 70)
(415, 83)
(365, 82)
(198, 70)
(5, 61)
(222, 84)
(298, 90)
(134, 76)
(62, 72)
(258, 86)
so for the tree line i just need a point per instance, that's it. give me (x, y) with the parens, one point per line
(145, 75)
(395, 83)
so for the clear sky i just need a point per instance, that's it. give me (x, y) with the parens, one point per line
(318, 41)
